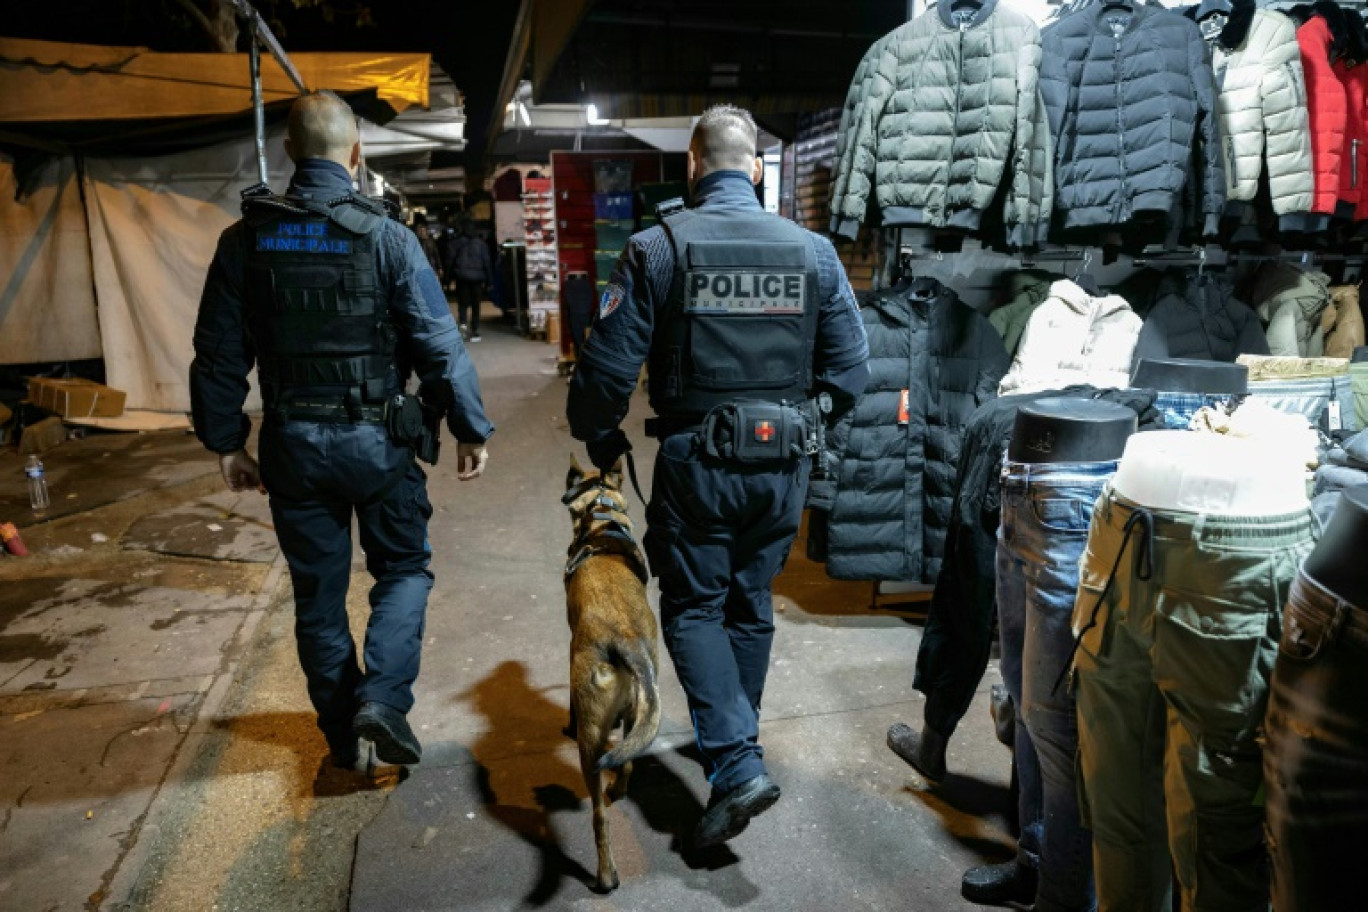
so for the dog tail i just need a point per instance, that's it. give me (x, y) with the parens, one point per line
(645, 708)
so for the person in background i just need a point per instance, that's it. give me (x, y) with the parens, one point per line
(473, 270)
(332, 356)
(429, 245)
(747, 324)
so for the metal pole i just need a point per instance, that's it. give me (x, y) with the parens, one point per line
(262, 32)
(258, 108)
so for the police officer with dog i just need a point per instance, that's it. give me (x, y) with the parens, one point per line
(336, 305)
(752, 340)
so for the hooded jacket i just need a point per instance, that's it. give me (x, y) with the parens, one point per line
(1290, 303)
(896, 478)
(1261, 106)
(1027, 289)
(944, 113)
(1129, 95)
(1198, 316)
(1342, 322)
(1074, 338)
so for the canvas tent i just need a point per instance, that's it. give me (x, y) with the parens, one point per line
(119, 168)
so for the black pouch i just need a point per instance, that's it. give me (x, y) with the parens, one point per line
(412, 425)
(754, 433)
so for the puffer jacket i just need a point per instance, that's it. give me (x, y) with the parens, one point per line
(896, 479)
(1328, 111)
(1352, 195)
(846, 146)
(1342, 322)
(1026, 290)
(1289, 303)
(1125, 114)
(1262, 93)
(949, 111)
(1074, 338)
(1198, 316)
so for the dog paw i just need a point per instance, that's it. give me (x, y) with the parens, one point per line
(607, 885)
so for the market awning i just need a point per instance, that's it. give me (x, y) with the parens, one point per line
(47, 81)
(660, 58)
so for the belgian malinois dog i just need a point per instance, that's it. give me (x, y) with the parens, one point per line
(613, 651)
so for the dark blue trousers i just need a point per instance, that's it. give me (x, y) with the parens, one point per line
(717, 535)
(319, 476)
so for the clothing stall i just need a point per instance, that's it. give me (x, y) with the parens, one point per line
(1117, 348)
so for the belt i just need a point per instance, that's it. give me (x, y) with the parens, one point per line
(664, 426)
(333, 413)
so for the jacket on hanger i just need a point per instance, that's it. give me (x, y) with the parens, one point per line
(1290, 302)
(1327, 110)
(1027, 289)
(1353, 200)
(843, 166)
(949, 112)
(1342, 322)
(1130, 94)
(1074, 338)
(897, 464)
(1199, 317)
(1261, 105)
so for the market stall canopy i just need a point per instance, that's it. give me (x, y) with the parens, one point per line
(662, 58)
(46, 81)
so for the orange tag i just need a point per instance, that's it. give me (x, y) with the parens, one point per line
(902, 408)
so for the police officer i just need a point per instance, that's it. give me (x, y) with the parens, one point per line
(336, 305)
(742, 318)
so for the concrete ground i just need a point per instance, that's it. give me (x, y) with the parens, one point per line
(157, 749)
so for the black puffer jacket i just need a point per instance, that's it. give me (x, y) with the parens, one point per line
(896, 480)
(1128, 92)
(1192, 316)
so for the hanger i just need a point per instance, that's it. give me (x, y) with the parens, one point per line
(1083, 279)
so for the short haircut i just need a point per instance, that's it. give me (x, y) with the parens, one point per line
(322, 126)
(724, 139)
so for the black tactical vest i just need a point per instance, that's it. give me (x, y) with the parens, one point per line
(741, 320)
(315, 310)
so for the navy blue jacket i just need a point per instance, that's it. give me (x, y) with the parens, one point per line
(620, 339)
(429, 339)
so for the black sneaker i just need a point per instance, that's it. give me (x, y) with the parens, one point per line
(999, 884)
(729, 815)
(389, 731)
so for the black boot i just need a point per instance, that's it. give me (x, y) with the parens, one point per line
(729, 814)
(925, 751)
(386, 728)
(995, 885)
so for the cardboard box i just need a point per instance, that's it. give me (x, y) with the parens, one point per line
(76, 398)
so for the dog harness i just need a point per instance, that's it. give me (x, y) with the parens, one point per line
(613, 536)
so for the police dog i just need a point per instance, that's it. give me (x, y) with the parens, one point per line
(613, 651)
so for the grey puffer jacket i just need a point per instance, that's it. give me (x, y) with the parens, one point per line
(1198, 316)
(943, 113)
(1262, 93)
(896, 481)
(1129, 92)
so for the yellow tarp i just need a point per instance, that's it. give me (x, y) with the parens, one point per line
(51, 81)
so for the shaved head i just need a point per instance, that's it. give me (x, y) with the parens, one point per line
(322, 126)
(723, 140)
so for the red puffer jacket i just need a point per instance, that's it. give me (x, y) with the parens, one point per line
(1353, 194)
(1328, 111)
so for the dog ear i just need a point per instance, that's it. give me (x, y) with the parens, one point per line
(612, 479)
(575, 475)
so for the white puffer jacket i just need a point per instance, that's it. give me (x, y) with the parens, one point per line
(1262, 108)
(1074, 338)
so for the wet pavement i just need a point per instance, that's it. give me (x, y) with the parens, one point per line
(157, 749)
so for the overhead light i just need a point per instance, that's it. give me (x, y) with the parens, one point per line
(591, 114)
(522, 113)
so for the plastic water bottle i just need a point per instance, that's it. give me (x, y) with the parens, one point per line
(37, 484)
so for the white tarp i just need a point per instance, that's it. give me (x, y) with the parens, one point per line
(154, 226)
(47, 299)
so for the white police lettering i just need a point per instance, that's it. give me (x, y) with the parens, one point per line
(612, 297)
(738, 292)
(301, 237)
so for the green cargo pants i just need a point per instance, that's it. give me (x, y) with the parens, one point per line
(1172, 676)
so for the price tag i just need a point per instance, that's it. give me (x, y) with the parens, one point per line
(1333, 412)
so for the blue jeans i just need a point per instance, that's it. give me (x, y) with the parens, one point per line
(717, 535)
(318, 476)
(1046, 509)
(1178, 408)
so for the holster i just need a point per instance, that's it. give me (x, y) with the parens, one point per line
(754, 433)
(414, 425)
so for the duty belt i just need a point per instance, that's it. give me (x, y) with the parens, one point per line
(333, 412)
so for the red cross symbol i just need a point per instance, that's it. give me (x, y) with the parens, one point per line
(764, 431)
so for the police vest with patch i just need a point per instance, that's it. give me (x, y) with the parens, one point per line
(742, 314)
(315, 310)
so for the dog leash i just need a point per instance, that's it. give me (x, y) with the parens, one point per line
(632, 474)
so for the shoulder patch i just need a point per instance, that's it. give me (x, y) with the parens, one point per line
(612, 297)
